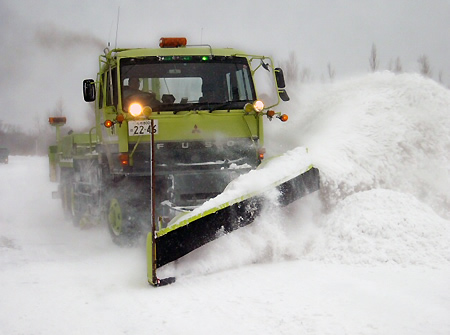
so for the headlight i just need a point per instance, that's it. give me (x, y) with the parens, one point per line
(135, 109)
(258, 105)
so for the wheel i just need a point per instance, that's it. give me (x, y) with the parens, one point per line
(123, 224)
(64, 188)
(79, 210)
(73, 206)
(66, 191)
(82, 193)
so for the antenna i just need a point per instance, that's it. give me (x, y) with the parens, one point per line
(109, 35)
(117, 27)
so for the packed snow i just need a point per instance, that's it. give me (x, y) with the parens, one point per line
(368, 254)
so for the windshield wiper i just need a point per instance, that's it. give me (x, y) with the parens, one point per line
(210, 106)
(173, 107)
(226, 105)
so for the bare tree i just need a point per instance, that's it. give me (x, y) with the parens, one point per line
(305, 75)
(373, 59)
(441, 77)
(398, 68)
(425, 69)
(290, 68)
(331, 72)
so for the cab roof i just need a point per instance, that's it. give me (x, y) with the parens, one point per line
(180, 51)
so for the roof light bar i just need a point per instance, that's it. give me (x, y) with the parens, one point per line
(172, 42)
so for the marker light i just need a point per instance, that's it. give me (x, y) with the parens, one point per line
(120, 118)
(124, 159)
(283, 117)
(147, 111)
(270, 114)
(261, 152)
(258, 105)
(108, 123)
(135, 109)
(248, 108)
(172, 42)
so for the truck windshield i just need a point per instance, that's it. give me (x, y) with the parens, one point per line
(192, 81)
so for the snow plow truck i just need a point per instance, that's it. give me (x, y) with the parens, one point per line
(174, 126)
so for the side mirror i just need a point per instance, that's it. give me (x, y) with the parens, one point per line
(280, 78)
(89, 90)
(283, 94)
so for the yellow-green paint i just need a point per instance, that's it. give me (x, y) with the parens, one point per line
(151, 259)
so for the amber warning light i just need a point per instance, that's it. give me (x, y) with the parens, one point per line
(57, 120)
(172, 42)
(108, 123)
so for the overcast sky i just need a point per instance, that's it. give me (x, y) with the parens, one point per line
(48, 47)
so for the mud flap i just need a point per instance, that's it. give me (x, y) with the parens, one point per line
(173, 243)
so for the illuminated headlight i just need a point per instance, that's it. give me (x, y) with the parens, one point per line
(135, 109)
(258, 105)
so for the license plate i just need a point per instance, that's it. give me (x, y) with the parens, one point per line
(144, 127)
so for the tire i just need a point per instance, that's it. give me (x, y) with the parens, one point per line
(68, 201)
(123, 223)
(83, 193)
(66, 191)
(79, 210)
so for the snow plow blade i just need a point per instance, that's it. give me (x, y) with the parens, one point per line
(228, 211)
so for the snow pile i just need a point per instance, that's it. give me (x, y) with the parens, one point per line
(378, 131)
(383, 226)
(382, 145)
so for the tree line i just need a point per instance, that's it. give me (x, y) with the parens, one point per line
(43, 135)
(29, 143)
(24, 144)
(295, 74)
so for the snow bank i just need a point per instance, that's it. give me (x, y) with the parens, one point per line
(377, 131)
(383, 226)
(382, 145)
